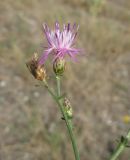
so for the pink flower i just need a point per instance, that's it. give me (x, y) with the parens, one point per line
(60, 42)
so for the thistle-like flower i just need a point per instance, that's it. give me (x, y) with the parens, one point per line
(60, 42)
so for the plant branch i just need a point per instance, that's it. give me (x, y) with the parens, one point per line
(121, 146)
(67, 121)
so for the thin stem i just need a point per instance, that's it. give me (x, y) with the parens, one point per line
(58, 86)
(121, 146)
(68, 124)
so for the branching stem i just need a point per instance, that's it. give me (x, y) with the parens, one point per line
(67, 121)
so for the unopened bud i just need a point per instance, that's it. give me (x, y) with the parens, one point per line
(38, 71)
(59, 66)
(68, 108)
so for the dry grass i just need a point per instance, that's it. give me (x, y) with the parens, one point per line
(98, 85)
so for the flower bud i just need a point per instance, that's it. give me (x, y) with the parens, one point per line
(38, 71)
(59, 66)
(68, 108)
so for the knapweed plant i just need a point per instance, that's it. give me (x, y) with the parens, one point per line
(60, 44)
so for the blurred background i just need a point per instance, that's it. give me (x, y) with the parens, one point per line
(98, 85)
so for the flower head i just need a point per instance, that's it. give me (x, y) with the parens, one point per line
(60, 42)
(38, 71)
(59, 66)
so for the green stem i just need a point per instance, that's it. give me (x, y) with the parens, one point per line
(58, 86)
(121, 146)
(68, 124)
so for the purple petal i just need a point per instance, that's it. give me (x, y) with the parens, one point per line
(74, 26)
(47, 33)
(57, 26)
(57, 38)
(58, 55)
(44, 56)
(74, 51)
(72, 56)
(68, 27)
